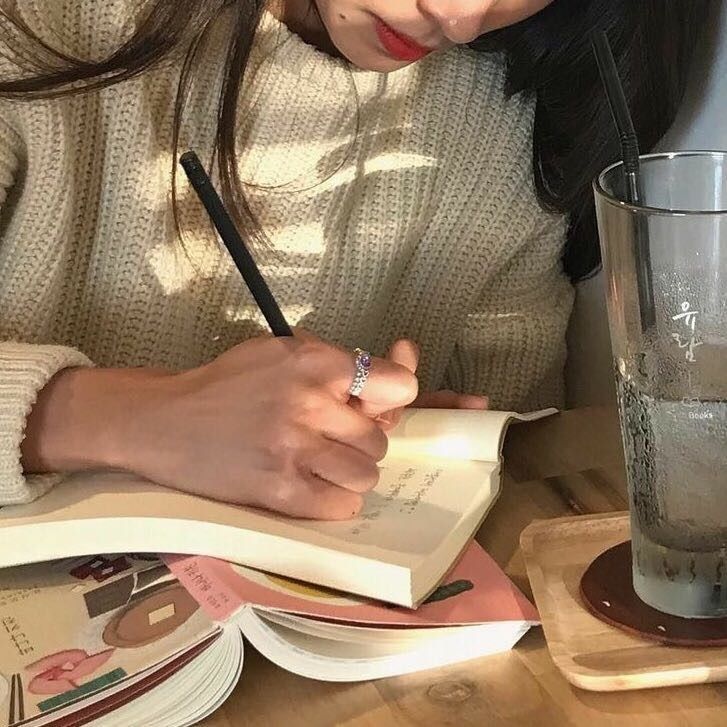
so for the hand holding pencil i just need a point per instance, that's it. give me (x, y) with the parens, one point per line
(267, 423)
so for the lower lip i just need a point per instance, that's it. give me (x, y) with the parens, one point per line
(397, 47)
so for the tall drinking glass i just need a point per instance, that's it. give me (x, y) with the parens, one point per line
(666, 266)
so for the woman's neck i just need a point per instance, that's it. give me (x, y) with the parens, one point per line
(302, 18)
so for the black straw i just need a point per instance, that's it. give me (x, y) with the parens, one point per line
(632, 169)
(202, 184)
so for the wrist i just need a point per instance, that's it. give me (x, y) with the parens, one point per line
(88, 419)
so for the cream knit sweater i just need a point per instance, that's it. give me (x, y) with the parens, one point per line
(395, 205)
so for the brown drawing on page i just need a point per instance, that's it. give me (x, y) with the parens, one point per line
(151, 618)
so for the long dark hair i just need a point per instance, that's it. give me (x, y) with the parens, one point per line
(548, 55)
(574, 138)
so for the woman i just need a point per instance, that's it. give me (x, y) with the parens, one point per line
(385, 177)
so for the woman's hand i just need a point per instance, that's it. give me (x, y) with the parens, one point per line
(406, 353)
(446, 399)
(266, 424)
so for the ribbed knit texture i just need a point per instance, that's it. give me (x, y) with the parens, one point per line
(399, 205)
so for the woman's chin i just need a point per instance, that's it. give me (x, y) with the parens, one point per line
(375, 61)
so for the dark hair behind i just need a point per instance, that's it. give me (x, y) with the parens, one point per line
(550, 54)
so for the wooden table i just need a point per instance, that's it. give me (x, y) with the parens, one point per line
(571, 464)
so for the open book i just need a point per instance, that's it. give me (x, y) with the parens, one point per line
(129, 639)
(438, 481)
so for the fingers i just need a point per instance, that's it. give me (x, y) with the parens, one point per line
(389, 384)
(403, 353)
(398, 369)
(320, 469)
(343, 466)
(470, 401)
(308, 496)
(450, 400)
(343, 424)
(435, 400)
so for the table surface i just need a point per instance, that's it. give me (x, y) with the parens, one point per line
(568, 465)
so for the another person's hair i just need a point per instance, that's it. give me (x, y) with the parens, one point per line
(548, 54)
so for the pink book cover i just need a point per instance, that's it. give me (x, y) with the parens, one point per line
(476, 591)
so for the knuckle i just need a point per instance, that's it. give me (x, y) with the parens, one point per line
(310, 354)
(281, 444)
(297, 402)
(306, 405)
(322, 360)
(282, 494)
(318, 405)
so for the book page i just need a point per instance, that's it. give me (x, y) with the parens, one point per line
(454, 434)
(73, 629)
(416, 505)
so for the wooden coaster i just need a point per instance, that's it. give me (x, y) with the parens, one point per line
(608, 592)
(589, 652)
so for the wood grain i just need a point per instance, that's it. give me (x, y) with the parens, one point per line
(555, 468)
(592, 654)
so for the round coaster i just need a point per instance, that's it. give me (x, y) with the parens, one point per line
(608, 593)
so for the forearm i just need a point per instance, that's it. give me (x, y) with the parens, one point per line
(87, 418)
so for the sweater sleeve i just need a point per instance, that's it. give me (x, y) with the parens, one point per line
(25, 368)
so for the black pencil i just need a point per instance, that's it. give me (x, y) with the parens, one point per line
(202, 184)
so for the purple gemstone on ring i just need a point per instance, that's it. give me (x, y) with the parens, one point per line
(365, 360)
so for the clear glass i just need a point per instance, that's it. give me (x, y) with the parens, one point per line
(666, 267)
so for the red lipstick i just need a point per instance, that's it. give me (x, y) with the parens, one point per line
(399, 46)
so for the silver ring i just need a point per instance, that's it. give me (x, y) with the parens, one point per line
(363, 369)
